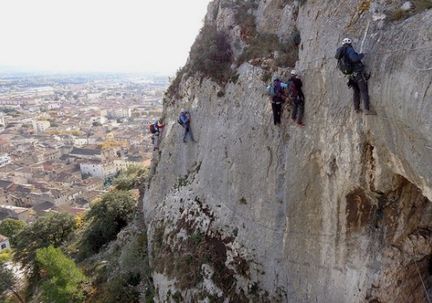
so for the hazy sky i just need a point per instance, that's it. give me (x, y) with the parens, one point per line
(99, 35)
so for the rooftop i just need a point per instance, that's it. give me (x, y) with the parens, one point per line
(5, 184)
(44, 206)
(15, 209)
(85, 151)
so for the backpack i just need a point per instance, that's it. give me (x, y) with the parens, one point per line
(180, 120)
(272, 90)
(345, 65)
(152, 129)
(292, 90)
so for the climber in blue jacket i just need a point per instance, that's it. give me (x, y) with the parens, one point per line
(185, 121)
(275, 90)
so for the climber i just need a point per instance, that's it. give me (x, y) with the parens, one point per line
(349, 62)
(155, 129)
(297, 97)
(185, 121)
(275, 90)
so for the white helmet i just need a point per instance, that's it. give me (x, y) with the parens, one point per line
(294, 72)
(346, 41)
(182, 110)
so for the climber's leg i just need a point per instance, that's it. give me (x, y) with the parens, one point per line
(363, 87)
(356, 95)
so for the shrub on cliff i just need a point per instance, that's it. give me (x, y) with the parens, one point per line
(173, 89)
(105, 219)
(129, 179)
(211, 54)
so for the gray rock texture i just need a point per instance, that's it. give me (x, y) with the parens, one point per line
(338, 211)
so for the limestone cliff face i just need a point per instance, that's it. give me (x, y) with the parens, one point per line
(338, 211)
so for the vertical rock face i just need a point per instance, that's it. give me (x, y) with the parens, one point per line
(339, 211)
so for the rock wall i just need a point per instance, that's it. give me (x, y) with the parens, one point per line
(338, 211)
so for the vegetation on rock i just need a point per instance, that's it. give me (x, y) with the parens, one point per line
(60, 277)
(10, 228)
(105, 219)
(52, 229)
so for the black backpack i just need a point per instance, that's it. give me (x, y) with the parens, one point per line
(345, 65)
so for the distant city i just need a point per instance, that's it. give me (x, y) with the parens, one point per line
(64, 137)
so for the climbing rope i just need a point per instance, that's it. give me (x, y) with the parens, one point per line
(424, 286)
(364, 36)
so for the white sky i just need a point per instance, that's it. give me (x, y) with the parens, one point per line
(99, 35)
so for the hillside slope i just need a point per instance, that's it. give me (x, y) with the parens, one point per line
(338, 211)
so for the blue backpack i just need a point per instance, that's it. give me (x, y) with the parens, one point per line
(272, 90)
(180, 121)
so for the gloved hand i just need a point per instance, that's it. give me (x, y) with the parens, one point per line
(349, 83)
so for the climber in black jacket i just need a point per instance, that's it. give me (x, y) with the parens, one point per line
(297, 98)
(349, 62)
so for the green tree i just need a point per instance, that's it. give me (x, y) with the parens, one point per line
(52, 229)
(11, 228)
(61, 278)
(106, 218)
(8, 282)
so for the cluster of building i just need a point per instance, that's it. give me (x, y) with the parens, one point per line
(63, 140)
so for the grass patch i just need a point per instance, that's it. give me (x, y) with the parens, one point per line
(234, 78)
(188, 179)
(422, 5)
(220, 94)
(260, 45)
(174, 88)
(246, 19)
(418, 7)
(184, 259)
(5, 256)
(264, 45)
(398, 14)
(266, 76)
